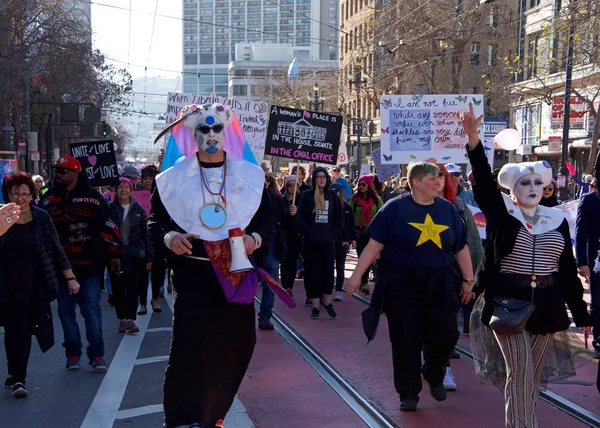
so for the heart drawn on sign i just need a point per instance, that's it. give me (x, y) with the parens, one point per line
(92, 160)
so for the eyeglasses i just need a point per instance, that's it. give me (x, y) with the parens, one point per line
(362, 184)
(290, 185)
(62, 171)
(336, 170)
(548, 189)
(20, 195)
(205, 129)
(455, 174)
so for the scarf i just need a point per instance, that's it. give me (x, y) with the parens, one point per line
(366, 205)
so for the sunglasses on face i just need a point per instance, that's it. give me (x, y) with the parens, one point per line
(362, 184)
(336, 170)
(455, 174)
(290, 185)
(548, 189)
(205, 129)
(62, 171)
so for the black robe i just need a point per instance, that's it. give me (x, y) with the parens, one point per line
(213, 339)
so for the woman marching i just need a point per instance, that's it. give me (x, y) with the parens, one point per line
(365, 203)
(420, 238)
(320, 223)
(549, 198)
(289, 264)
(528, 259)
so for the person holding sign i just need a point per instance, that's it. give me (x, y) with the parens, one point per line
(211, 211)
(419, 238)
(519, 323)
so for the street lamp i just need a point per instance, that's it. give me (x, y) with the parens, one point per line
(316, 105)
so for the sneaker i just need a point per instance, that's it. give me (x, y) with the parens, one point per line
(9, 382)
(308, 302)
(19, 390)
(99, 364)
(266, 325)
(365, 289)
(449, 382)
(330, 310)
(73, 363)
(132, 328)
(314, 314)
(219, 424)
(408, 404)
(122, 327)
(438, 392)
(337, 297)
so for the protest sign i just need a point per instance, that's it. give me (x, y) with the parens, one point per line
(303, 135)
(418, 127)
(480, 220)
(491, 127)
(252, 115)
(98, 161)
(383, 171)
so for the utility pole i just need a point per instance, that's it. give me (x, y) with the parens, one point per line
(357, 82)
(563, 193)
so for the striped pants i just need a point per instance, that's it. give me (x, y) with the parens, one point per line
(524, 355)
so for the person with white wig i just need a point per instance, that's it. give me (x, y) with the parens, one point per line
(205, 207)
(526, 277)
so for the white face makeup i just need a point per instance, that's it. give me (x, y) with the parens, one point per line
(210, 135)
(528, 190)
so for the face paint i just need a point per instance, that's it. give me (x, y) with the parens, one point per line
(528, 190)
(212, 141)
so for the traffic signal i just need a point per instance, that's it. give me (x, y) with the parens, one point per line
(105, 129)
(371, 127)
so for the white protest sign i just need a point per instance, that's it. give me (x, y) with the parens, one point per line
(570, 211)
(343, 150)
(253, 116)
(418, 127)
(480, 220)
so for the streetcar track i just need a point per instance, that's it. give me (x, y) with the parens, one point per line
(555, 400)
(368, 412)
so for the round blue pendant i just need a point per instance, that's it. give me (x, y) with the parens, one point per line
(213, 216)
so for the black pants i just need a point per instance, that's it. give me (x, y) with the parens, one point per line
(158, 271)
(18, 329)
(318, 269)
(417, 325)
(595, 307)
(361, 243)
(340, 265)
(125, 292)
(289, 265)
(142, 284)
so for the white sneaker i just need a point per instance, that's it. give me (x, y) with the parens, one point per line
(337, 297)
(449, 382)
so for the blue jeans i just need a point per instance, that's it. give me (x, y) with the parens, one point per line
(271, 266)
(88, 300)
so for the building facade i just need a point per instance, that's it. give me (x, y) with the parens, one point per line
(212, 28)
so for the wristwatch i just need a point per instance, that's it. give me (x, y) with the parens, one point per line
(468, 281)
(71, 279)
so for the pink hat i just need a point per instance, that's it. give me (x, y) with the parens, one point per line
(367, 179)
(126, 180)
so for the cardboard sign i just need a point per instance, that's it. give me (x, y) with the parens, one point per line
(418, 127)
(303, 135)
(98, 161)
(252, 116)
(383, 171)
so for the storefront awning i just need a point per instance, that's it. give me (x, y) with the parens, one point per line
(543, 151)
(584, 143)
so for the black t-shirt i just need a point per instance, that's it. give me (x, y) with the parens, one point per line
(418, 236)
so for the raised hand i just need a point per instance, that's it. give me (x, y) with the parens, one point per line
(471, 124)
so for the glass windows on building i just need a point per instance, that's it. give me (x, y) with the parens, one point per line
(240, 90)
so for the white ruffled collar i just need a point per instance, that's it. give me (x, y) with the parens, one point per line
(550, 218)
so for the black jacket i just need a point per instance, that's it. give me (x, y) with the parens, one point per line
(85, 227)
(139, 247)
(587, 229)
(550, 314)
(349, 234)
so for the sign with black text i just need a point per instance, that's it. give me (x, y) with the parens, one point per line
(303, 135)
(98, 161)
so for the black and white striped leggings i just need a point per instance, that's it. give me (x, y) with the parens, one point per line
(524, 355)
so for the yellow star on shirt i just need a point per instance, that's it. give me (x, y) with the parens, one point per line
(429, 231)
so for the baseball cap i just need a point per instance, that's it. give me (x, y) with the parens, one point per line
(68, 162)
(452, 167)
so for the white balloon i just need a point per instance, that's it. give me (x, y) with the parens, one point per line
(508, 139)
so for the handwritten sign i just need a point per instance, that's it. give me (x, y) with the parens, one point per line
(98, 161)
(491, 127)
(418, 127)
(303, 135)
(383, 171)
(252, 116)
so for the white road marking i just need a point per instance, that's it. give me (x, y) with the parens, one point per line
(151, 360)
(158, 329)
(139, 411)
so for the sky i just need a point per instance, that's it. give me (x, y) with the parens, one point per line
(129, 38)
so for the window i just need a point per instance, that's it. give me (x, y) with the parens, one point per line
(240, 72)
(533, 3)
(491, 57)
(190, 59)
(206, 58)
(475, 47)
(222, 59)
(474, 90)
(532, 55)
(240, 90)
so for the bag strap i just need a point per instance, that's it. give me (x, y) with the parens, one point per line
(533, 276)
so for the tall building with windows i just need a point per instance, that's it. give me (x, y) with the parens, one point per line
(211, 29)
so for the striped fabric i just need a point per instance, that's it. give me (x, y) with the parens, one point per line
(547, 251)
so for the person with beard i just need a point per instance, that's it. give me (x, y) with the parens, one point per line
(320, 222)
(89, 238)
(204, 208)
(549, 198)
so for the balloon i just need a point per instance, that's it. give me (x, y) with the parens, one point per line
(508, 139)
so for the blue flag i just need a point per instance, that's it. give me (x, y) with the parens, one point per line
(293, 69)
